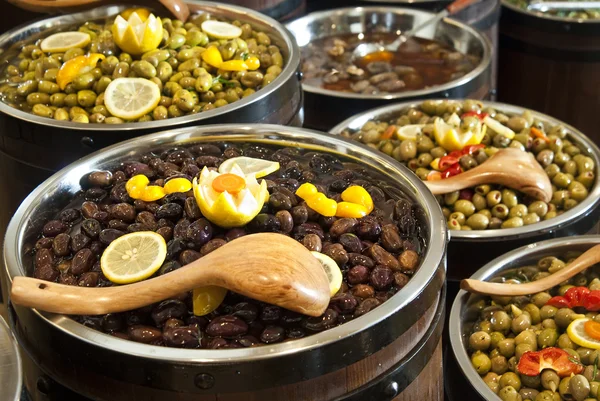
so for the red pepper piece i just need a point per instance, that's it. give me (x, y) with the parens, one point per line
(533, 362)
(389, 132)
(447, 162)
(592, 301)
(559, 302)
(477, 114)
(455, 154)
(576, 295)
(452, 171)
(470, 149)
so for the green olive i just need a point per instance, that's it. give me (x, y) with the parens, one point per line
(481, 362)
(42, 110)
(480, 341)
(144, 69)
(84, 81)
(38, 98)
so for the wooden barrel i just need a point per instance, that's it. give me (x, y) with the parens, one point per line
(280, 10)
(551, 65)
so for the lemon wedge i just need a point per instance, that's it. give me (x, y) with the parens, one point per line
(334, 274)
(131, 98)
(227, 209)
(577, 334)
(409, 131)
(498, 127)
(220, 30)
(63, 41)
(133, 257)
(249, 166)
(452, 138)
(75, 67)
(207, 299)
(136, 36)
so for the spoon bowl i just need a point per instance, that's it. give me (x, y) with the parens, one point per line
(272, 268)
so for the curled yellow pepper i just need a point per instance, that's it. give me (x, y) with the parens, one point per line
(358, 195)
(322, 204)
(137, 188)
(357, 201)
(348, 209)
(212, 56)
(233, 65)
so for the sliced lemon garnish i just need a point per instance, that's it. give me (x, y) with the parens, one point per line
(452, 138)
(498, 127)
(577, 334)
(143, 13)
(409, 131)
(131, 98)
(136, 36)
(249, 166)
(133, 257)
(220, 30)
(207, 299)
(226, 209)
(334, 274)
(63, 41)
(75, 67)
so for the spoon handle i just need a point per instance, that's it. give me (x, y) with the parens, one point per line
(584, 261)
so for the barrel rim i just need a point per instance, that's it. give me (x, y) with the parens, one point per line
(547, 17)
(459, 82)
(436, 245)
(543, 227)
(520, 255)
(23, 32)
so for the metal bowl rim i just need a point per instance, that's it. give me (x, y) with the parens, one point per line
(544, 16)
(290, 69)
(589, 203)
(434, 257)
(484, 273)
(12, 344)
(481, 67)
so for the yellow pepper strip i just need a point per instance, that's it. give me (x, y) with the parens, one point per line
(359, 195)
(207, 299)
(137, 181)
(233, 65)
(306, 190)
(177, 185)
(212, 57)
(347, 209)
(435, 164)
(253, 63)
(322, 204)
(153, 193)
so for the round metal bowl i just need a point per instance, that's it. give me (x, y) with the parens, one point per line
(56, 339)
(340, 105)
(460, 317)
(484, 245)
(10, 364)
(564, 24)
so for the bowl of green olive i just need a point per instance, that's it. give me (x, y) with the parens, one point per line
(438, 139)
(540, 347)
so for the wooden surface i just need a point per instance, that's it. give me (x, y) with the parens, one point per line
(509, 167)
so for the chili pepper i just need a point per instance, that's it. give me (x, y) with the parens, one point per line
(592, 301)
(559, 302)
(532, 363)
(470, 149)
(539, 134)
(447, 162)
(452, 171)
(477, 114)
(455, 154)
(389, 132)
(576, 295)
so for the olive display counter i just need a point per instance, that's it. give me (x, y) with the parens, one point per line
(390, 353)
(565, 55)
(32, 147)
(326, 107)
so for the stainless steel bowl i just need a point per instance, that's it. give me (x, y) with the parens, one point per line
(459, 316)
(56, 339)
(565, 24)
(324, 108)
(484, 245)
(10, 364)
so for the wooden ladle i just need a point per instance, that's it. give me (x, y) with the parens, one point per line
(509, 167)
(268, 267)
(585, 260)
(176, 7)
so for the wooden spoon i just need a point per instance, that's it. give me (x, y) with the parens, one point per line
(587, 259)
(176, 7)
(268, 267)
(509, 167)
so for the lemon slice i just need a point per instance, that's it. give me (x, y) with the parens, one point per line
(63, 41)
(131, 98)
(133, 257)
(220, 30)
(207, 299)
(409, 131)
(249, 166)
(334, 274)
(577, 334)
